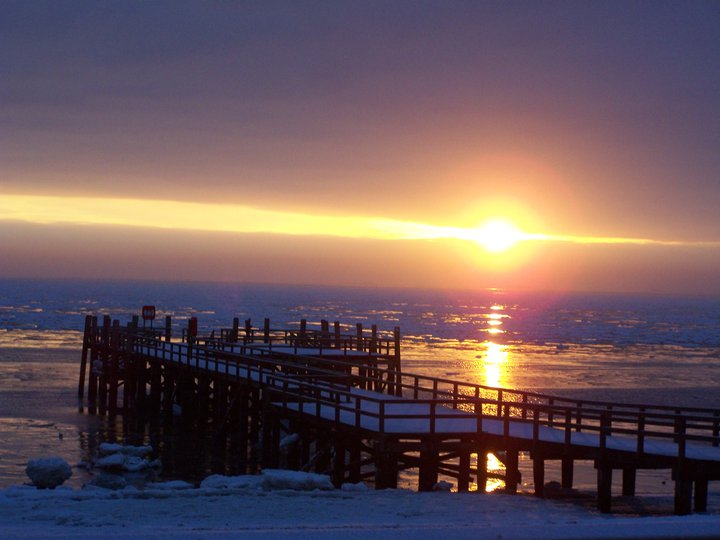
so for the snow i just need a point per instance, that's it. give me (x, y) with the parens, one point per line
(113, 448)
(282, 479)
(48, 473)
(125, 462)
(250, 507)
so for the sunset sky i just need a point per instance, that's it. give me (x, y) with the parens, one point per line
(363, 143)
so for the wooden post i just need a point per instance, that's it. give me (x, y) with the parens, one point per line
(364, 384)
(373, 339)
(266, 331)
(539, 475)
(83, 358)
(681, 472)
(155, 384)
(168, 327)
(324, 333)
(303, 333)
(604, 487)
(105, 359)
(192, 330)
(566, 472)
(339, 463)
(482, 473)
(386, 470)
(129, 392)
(629, 475)
(355, 460)
(248, 330)
(604, 469)
(93, 378)
(701, 494)
(114, 364)
(464, 467)
(235, 330)
(168, 390)
(336, 326)
(683, 491)
(397, 375)
(243, 424)
(512, 472)
(428, 475)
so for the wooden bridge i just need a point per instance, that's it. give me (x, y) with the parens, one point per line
(338, 402)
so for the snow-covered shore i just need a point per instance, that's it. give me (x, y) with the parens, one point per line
(250, 507)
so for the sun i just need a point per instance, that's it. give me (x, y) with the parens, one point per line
(497, 235)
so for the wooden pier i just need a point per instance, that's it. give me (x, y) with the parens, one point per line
(337, 401)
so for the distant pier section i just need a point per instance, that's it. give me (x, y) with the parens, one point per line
(333, 398)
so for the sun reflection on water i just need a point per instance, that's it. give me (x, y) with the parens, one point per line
(495, 359)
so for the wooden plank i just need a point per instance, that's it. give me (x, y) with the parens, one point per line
(84, 356)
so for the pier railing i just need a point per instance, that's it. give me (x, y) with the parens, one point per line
(343, 390)
(337, 337)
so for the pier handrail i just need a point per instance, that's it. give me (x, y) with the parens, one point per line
(307, 397)
(645, 422)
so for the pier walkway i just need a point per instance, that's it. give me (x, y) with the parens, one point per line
(339, 403)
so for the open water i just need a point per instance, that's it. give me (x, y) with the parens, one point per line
(644, 348)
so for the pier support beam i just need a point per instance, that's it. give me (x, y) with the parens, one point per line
(701, 494)
(567, 467)
(629, 476)
(539, 476)
(386, 469)
(683, 491)
(428, 475)
(464, 468)
(338, 476)
(604, 487)
(512, 471)
(482, 472)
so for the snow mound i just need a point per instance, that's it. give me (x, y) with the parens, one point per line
(114, 448)
(271, 479)
(295, 480)
(126, 462)
(48, 473)
(109, 481)
(217, 481)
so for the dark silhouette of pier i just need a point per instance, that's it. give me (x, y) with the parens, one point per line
(335, 400)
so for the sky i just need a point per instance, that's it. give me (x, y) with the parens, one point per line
(363, 143)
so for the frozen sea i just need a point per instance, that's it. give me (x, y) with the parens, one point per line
(644, 348)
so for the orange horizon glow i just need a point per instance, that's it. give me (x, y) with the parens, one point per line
(496, 235)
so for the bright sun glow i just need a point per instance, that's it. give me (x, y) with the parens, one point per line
(497, 235)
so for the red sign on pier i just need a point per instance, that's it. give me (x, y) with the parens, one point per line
(148, 313)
